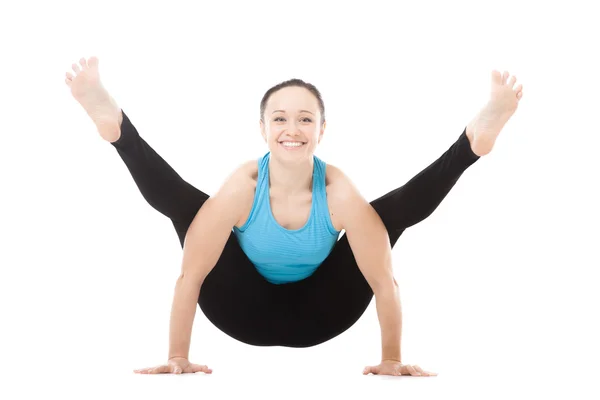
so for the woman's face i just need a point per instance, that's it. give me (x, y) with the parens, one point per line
(291, 124)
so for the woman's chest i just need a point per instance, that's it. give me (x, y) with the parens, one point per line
(291, 212)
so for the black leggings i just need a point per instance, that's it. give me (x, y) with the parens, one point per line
(245, 306)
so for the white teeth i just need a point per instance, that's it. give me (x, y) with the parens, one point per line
(292, 144)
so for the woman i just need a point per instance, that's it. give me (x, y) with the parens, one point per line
(262, 256)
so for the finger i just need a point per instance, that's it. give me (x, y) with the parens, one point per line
(412, 370)
(370, 370)
(143, 370)
(200, 368)
(419, 369)
(163, 369)
(424, 373)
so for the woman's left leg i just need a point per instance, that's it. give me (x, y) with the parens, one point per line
(331, 300)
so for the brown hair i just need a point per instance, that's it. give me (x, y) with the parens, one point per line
(297, 83)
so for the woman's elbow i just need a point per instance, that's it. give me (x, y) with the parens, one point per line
(190, 278)
(386, 287)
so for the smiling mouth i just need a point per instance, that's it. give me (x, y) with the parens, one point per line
(292, 146)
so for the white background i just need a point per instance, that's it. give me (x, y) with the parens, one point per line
(498, 286)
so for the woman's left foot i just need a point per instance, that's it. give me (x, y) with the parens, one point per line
(484, 128)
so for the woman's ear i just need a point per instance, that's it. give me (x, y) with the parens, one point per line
(262, 130)
(321, 133)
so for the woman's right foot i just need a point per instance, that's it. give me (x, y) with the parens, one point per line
(99, 105)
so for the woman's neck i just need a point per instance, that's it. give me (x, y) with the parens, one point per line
(290, 179)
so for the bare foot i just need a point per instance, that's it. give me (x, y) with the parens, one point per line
(484, 128)
(99, 105)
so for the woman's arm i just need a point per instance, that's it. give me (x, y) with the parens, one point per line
(204, 243)
(370, 244)
(389, 312)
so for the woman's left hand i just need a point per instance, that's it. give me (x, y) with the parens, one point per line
(394, 368)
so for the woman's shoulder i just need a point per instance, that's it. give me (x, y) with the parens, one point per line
(336, 181)
(242, 179)
(249, 169)
(343, 197)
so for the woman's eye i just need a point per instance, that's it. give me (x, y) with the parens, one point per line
(304, 119)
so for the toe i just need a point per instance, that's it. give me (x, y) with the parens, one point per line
(496, 77)
(504, 77)
(76, 68)
(69, 76)
(83, 63)
(518, 88)
(93, 61)
(512, 81)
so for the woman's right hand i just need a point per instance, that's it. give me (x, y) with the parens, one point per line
(176, 365)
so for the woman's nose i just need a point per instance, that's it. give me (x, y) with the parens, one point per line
(294, 128)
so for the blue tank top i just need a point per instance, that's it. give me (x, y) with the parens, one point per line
(282, 255)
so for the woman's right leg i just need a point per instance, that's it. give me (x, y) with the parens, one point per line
(158, 182)
(233, 296)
